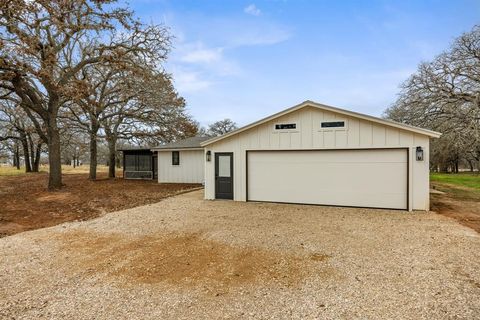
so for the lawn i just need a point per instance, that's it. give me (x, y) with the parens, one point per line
(468, 180)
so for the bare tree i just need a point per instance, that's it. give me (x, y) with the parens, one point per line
(102, 92)
(221, 127)
(42, 49)
(444, 95)
(151, 113)
(16, 125)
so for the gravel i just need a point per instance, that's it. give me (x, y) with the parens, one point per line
(186, 258)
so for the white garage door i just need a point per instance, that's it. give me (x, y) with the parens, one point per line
(358, 178)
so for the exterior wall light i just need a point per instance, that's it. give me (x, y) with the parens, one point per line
(419, 154)
(209, 155)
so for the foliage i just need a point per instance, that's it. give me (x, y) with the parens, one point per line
(87, 67)
(444, 95)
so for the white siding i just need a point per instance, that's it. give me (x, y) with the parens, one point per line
(190, 170)
(358, 134)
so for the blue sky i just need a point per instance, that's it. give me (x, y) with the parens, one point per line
(245, 60)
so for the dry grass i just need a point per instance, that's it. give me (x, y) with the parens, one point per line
(7, 171)
(27, 204)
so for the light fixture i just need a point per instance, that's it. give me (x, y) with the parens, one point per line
(419, 154)
(209, 155)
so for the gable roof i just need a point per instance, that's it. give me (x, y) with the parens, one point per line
(188, 143)
(309, 103)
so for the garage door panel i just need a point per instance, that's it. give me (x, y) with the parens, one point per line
(364, 178)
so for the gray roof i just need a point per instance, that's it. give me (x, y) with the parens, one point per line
(139, 148)
(188, 143)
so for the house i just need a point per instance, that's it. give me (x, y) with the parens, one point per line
(317, 154)
(181, 161)
(139, 163)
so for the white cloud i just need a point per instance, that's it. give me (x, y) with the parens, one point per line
(203, 55)
(252, 9)
(206, 60)
(189, 81)
(205, 48)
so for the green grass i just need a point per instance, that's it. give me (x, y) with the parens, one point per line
(467, 180)
(460, 186)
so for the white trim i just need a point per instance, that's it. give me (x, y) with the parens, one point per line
(426, 132)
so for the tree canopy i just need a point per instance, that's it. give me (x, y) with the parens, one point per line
(87, 65)
(444, 95)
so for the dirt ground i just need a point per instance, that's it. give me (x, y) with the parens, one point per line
(26, 204)
(459, 203)
(188, 258)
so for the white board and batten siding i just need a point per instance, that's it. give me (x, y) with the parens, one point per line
(190, 169)
(359, 134)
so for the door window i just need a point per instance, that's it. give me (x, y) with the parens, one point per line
(224, 166)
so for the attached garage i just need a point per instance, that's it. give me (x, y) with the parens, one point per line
(317, 154)
(376, 178)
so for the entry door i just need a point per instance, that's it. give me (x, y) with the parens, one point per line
(224, 175)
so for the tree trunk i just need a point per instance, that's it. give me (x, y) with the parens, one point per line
(17, 156)
(112, 155)
(54, 156)
(36, 158)
(26, 153)
(31, 147)
(93, 152)
(443, 168)
(470, 163)
(118, 163)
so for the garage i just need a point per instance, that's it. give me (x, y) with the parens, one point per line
(376, 178)
(317, 154)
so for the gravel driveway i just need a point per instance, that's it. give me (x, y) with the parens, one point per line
(186, 258)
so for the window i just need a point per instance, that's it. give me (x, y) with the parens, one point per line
(332, 124)
(224, 166)
(144, 162)
(138, 162)
(175, 158)
(284, 126)
(130, 162)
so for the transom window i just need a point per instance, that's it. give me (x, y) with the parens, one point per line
(285, 126)
(175, 158)
(332, 124)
